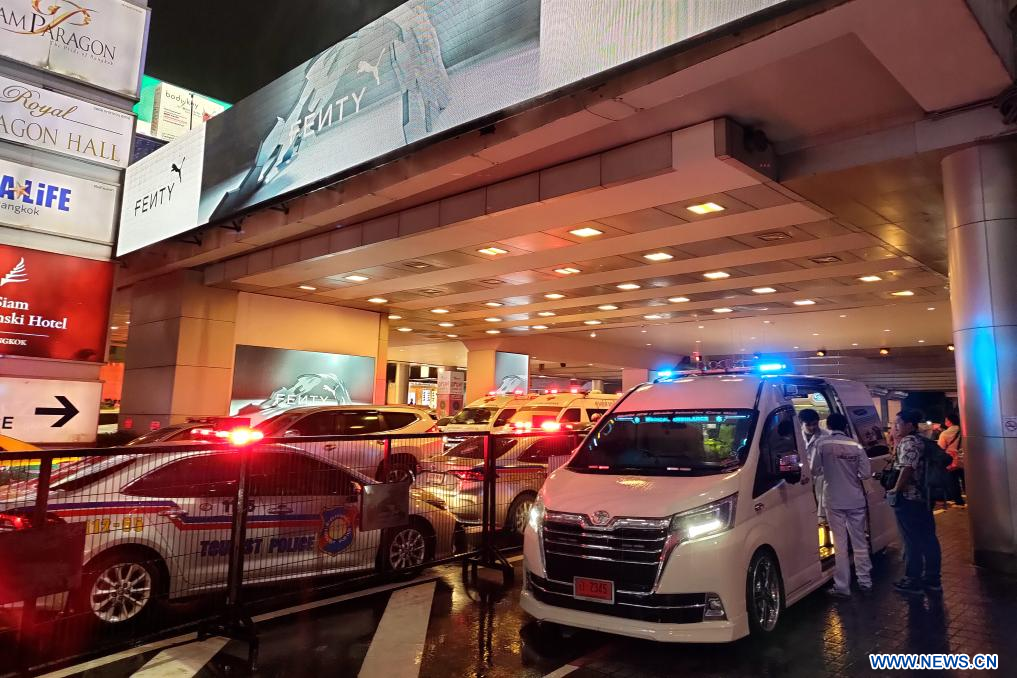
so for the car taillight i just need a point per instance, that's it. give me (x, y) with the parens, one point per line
(11, 522)
(242, 436)
(473, 476)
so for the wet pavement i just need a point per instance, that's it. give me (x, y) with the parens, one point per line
(453, 629)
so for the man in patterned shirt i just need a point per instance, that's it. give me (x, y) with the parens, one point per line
(922, 557)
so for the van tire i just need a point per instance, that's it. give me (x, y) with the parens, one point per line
(764, 592)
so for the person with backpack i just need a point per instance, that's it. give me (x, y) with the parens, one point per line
(951, 441)
(917, 483)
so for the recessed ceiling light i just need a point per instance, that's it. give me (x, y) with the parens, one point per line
(884, 351)
(356, 277)
(540, 327)
(723, 309)
(698, 341)
(607, 307)
(309, 288)
(114, 327)
(931, 308)
(395, 317)
(593, 335)
(585, 232)
(764, 290)
(492, 251)
(643, 331)
(446, 324)
(568, 270)
(592, 322)
(554, 295)
(921, 341)
(886, 330)
(854, 343)
(702, 327)
(493, 304)
(519, 328)
(803, 302)
(766, 322)
(492, 331)
(653, 316)
(705, 208)
(545, 314)
(128, 322)
(629, 286)
(870, 278)
(950, 347)
(903, 293)
(843, 315)
(492, 319)
(378, 300)
(677, 300)
(815, 334)
(405, 329)
(649, 344)
(418, 264)
(794, 347)
(439, 310)
(451, 336)
(658, 256)
(717, 275)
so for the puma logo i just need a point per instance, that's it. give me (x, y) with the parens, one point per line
(179, 169)
(373, 69)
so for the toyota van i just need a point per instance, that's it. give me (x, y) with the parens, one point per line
(490, 413)
(572, 411)
(688, 515)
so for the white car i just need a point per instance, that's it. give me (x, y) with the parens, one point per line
(686, 515)
(158, 525)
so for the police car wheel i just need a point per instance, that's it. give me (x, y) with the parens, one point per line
(764, 592)
(120, 588)
(519, 514)
(404, 548)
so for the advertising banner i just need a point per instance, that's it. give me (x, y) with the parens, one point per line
(161, 192)
(40, 200)
(102, 43)
(53, 122)
(267, 381)
(166, 111)
(53, 305)
(49, 410)
(511, 372)
(426, 67)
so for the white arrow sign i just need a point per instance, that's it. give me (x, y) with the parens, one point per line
(49, 410)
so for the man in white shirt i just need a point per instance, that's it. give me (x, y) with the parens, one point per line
(813, 433)
(843, 464)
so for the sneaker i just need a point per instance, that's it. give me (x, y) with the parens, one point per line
(932, 586)
(837, 593)
(908, 586)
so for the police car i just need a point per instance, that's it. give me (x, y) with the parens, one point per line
(158, 525)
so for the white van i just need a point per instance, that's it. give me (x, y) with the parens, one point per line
(686, 514)
(562, 411)
(489, 413)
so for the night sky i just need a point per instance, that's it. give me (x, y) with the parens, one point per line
(228, 48)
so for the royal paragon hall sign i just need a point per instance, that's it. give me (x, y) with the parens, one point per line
(53, 305)
(101, 42)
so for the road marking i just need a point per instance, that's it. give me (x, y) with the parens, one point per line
(398, 644)
(183, 661)
(562, 671)
(126, 654)
(268, 616)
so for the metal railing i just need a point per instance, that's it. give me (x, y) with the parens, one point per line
(111, 548)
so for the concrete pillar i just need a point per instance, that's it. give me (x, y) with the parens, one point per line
(479, 374)
(179, 352)
(381, 364)
(634, 376)
(401, 388)
(980, 192)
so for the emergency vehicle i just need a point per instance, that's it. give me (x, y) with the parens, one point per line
(490, 413)
(687, 513)
(158, 525)
(571, 411)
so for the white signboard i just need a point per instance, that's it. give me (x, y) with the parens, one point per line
(44, 119)
(101, 42)
(177, 111)
(40, 200)
(162, 191)
(49, 410)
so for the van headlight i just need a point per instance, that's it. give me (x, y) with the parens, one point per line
(704, 521)
(536, 519)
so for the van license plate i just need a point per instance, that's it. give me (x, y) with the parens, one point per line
(599, 590)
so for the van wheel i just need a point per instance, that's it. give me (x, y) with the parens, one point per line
(120, 586)
(764, 592)
(519, 514)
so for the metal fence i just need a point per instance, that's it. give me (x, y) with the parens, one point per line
(102, 549)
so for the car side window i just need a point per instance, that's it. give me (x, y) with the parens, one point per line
(777, 440)
(316, 424)
(210, 475)
(294, 475)
(398, 420)
(571, 416)
(361, 422)
(504, 416)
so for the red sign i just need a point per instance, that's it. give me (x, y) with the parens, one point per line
(53, 305)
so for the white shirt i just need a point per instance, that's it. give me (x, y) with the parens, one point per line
(843, 463)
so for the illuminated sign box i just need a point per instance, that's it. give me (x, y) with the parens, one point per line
(101, 42)
(53, 305)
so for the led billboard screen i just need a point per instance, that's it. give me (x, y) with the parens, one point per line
(425, 67)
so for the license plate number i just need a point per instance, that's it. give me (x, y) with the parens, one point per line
(599, 590)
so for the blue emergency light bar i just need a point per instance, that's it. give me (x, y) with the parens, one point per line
(771, 367)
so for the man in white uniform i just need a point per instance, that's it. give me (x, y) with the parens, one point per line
(843, 463)
(813, 433)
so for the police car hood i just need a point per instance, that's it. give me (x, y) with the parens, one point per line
(634, 496)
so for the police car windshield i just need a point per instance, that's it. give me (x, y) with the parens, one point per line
(671, 442)
(474, 415)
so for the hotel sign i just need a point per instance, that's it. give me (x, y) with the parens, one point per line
(53, 122)
(101, 42)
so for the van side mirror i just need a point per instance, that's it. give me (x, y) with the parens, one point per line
(789, 468)
(790, 390)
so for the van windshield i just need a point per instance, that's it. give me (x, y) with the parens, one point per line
(474, 415)
(536, 415)
(667, 442)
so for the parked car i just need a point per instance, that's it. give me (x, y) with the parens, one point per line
(158, 525)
